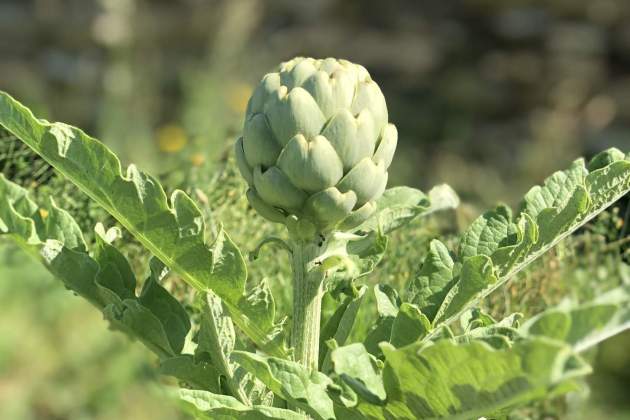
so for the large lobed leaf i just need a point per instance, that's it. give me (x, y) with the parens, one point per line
(493, 367)
(104, 279)
(339, 326)
(584, 325)
(443, 380)
(498, 245)
(206, 405)
(171, 229)
(399, 323)
(400, 205)
(462, 381)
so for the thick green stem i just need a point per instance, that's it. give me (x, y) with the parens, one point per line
(307, 302)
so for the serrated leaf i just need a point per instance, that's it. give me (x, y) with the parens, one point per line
(430, 286)
(171, 231)
(216, 334)
(77, 270)
(216, 339)
(480, 326)
(477, 275)
(400, 205)
(552, 222)
(489, 232)
(463, 381)
(525, 237)
(399, 323)
(584, 325)
(364, 254)
(604, 183)
(61, 226)
(340, 325)
(387, 306)
(555, 191)
(140, 323)
(395, 208)
(165, 307)
(206, 405)
(381, 332)
(21, 217)
(387, 300)
(291, 381)
(199, 375)
(567, 200)
(354, 365)
(409, 325)
(115, 278)
(106, 280)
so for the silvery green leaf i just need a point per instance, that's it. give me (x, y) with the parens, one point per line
(105, 279)
(396, 207)
(211, 406)
(409, 325)
(477, 274)
(200, 375)
(339, 325)
(464, 381)
(556, 190)
(551, 212)
(399, 323)
(172, 230)
(356, 367)
(584, 325)
(493, 230)
(216, 340)
(291, 381)
(387, 306)
(139, 322)
(429, 287)
(165, 307)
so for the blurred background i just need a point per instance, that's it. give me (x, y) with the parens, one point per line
(489, 96)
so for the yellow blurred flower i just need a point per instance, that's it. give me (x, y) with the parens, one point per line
(197, 159)
(237, 96)
(171, 138)
(43, 213)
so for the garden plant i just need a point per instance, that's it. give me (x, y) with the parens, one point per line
(315, 150)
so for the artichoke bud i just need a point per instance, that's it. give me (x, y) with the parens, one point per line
(316, 145)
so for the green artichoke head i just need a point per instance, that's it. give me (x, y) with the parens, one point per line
(316, 144)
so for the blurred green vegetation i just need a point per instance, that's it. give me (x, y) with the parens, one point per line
(489, 96)
(57, 359)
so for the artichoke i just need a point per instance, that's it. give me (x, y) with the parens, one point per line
(316, 144)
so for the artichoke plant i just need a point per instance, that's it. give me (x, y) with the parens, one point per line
(316, 144)
(315, 151)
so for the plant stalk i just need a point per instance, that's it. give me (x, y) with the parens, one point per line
(307, 302)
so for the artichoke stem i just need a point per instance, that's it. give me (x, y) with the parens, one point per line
(307, 301)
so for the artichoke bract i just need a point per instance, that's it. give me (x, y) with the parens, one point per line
(316, 144)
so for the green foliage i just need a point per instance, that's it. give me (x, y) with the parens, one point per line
(414, 362)
(205, 405)
(583, 326)
(173, 230)
(474, 379)
(52, 351)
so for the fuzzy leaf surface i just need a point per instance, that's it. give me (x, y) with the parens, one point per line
(292, 382)
(171, 229)
(206, 405)
(584, 325)
(549, 213)
(155, 318)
